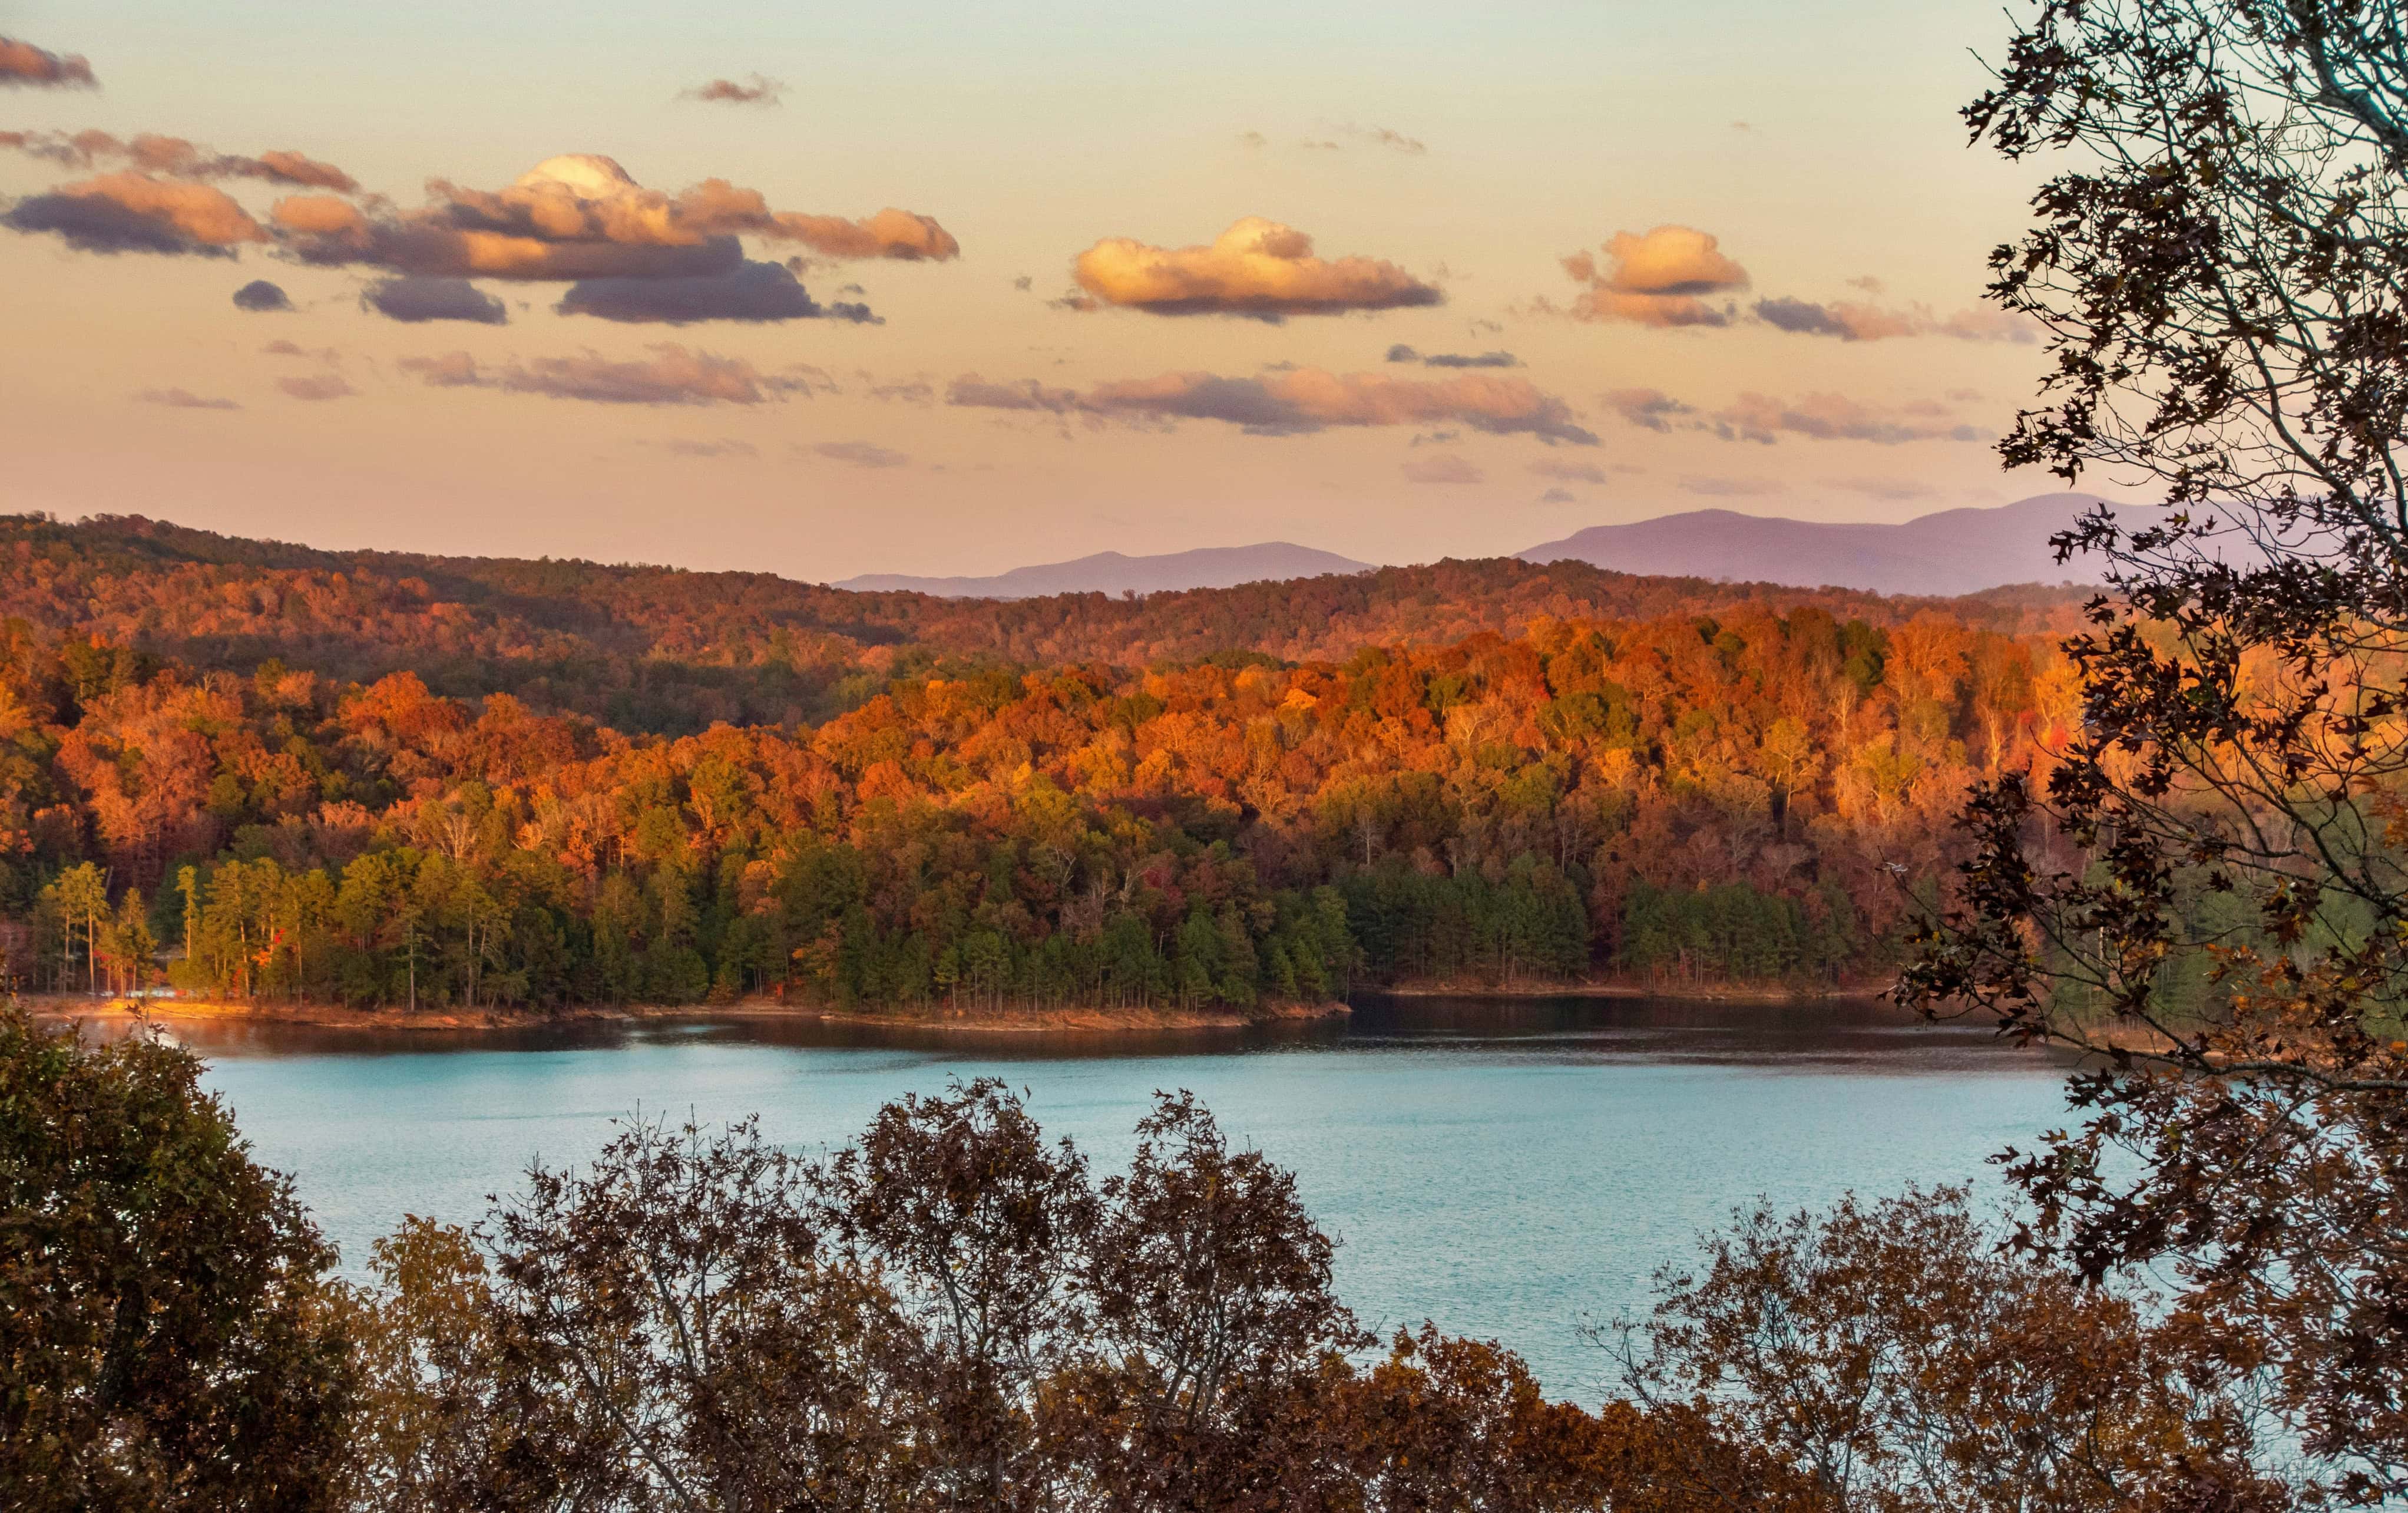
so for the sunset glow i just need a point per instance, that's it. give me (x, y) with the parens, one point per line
(633, 288)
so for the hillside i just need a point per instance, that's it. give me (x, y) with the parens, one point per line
(664, 650)
(1676, 798)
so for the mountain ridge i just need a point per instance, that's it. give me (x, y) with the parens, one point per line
(1116, 572)
(1948, 551)
(671, 650)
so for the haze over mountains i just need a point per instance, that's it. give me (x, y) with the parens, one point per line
(1113, 572)
(1952, 552)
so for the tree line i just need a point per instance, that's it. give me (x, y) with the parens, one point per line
(669, 652)
(1680, 801)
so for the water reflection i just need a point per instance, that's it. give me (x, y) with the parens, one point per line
(1840, 1031)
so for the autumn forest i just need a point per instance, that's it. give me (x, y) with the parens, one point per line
(374, 780)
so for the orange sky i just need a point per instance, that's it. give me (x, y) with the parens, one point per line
(957, 287)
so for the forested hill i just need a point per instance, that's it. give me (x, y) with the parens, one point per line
(1747, 797)
(663, 650)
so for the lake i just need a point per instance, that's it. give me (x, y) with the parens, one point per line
(1506, 1170)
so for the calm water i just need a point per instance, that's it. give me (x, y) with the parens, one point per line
(1506, 1171)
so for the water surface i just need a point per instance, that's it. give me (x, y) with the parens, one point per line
(1505, 1170)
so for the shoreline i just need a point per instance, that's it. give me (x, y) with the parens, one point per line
(1680, 993)
(335, 1017)
(1072, 1021)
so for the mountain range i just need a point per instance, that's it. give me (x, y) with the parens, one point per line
(1113, 572)
(1952, 552)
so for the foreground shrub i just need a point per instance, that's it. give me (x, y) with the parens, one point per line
(1896, 1357)
(165, 1337)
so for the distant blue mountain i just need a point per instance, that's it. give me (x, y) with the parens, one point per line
(1954, 552)
(1111, 572)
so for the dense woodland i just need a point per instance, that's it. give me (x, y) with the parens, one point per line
(1726, 785)
(664, 651)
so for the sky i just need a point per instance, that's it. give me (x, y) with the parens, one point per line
(951, 288)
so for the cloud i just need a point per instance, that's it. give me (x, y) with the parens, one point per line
(1884, 488)
(724, 448)
(1728, 488)
(316, 216)
(540, 228)
(1659, 279)
(55, 147)
(717, 207)
(449, 370)
(977, 393)
(317, 386)
(259, 296)
(183, 399)
(672, 376)
(1395, 141)
(417, 297)
(130, 212)
(756, 292)
(1856, 320)
(1254, 404)
(1981, 324)
(1799, 315)
(1298, 401)
(1568, 471)
(1256, 267)
(174, 157)
(1831, 417)
(293, 168)
(860, 454)
(1559, 496)
(1402, 353)
(1652, 409)
(758, 91)
(903, 391)
(1441, 468)
(25, 65)
(1378, 137)
(581, 217)
(891, 233)
(1821, 418)
(1849, 322)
